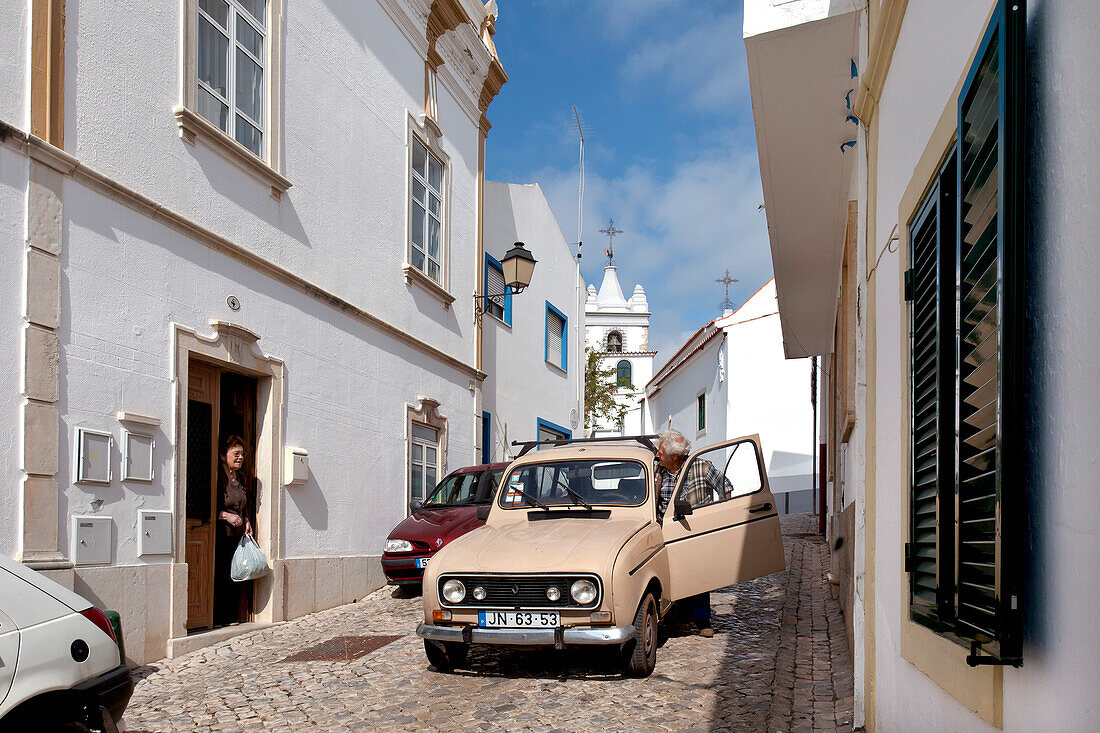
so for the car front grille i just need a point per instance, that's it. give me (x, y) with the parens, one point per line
(520, 591)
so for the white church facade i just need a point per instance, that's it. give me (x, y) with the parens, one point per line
(731, 378)
(618, 329)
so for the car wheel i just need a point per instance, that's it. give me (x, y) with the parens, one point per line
(639, 654)
(445, 655)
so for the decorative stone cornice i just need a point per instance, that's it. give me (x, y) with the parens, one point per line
(884, 38)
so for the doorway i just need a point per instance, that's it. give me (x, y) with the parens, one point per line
(220, 403)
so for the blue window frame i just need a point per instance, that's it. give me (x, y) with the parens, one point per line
(500, 306)
(546, 430)
(556, 344)
(486, 437)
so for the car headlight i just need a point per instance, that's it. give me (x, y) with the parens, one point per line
(454, 591)
(479, 593)
(552, 593)
(399, 546)
(583, 592)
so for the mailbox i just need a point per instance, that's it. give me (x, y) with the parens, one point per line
(295, 466)
(155, 533)
(91, 539)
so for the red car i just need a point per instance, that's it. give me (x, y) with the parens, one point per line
(449, 512)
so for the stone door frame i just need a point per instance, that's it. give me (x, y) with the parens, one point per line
(233, 347)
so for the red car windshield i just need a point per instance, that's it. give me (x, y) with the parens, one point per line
(463, 489)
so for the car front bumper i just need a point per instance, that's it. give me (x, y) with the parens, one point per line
(402, 570)
(558, 637)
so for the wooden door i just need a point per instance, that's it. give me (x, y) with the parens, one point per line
(202, 417)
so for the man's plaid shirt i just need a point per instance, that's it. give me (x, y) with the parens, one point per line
(704, 484)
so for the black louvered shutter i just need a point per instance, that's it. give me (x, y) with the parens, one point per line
(990, 484)
(932, 359)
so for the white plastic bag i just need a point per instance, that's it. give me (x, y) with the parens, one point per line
(249, 561)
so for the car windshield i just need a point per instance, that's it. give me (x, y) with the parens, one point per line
(460, 489)
(569, 483)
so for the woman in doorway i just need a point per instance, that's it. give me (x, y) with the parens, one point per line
(234, 512)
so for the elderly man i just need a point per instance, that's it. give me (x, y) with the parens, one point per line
(702, 481)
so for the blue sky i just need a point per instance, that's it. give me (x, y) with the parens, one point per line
(670, 151)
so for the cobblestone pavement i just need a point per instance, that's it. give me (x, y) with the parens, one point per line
(778, 662)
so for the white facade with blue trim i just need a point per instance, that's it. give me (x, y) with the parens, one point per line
(530, 340)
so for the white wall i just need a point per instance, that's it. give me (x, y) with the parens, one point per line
(521, 386)
(916, 90)
(678, 393)
(15, 78)
(769, 394)
(13, 191)
(1056, 689)
(349, 79)
(130, 279)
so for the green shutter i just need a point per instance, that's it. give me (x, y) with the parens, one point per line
(931, 390)
(990, 179)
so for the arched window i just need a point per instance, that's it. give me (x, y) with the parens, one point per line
(615, 342)
(622, 374)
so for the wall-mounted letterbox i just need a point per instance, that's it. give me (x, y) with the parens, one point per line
(91, 540)
(155, 533)
(295, 466)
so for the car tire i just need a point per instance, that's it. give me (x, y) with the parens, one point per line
(445, 655)
(639, 654)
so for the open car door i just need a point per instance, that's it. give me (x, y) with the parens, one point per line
(722, 526)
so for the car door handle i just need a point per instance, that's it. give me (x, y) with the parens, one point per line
(757, 508)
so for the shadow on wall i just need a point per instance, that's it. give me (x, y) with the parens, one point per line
(1041, 334)
(311, 503)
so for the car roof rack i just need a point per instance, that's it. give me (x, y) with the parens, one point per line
(646, 441)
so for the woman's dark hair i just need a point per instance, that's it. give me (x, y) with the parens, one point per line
(231, 442)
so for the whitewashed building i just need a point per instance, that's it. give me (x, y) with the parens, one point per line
(619, 329)
(535, 367)
(930, 174)
(235, 216)
(731, 378)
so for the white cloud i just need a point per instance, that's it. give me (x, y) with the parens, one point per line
(680, 234)
(704, 64)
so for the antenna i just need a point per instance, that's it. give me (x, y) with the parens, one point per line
(580, 185)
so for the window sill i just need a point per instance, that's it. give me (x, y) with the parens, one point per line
(556, 366)
(499, 320)
(193, 125)
(414, 275)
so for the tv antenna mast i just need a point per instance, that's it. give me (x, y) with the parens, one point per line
(580, 184)
(727, 304)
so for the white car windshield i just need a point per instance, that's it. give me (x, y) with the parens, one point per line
(575, 483)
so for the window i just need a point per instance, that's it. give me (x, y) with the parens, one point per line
(615, 342)
(232, 53)
(556, 337)
(426, 212)
(622, 374)
(498, 306)
(547, 430)
(424, 460)
(701, 412)
(965, 362)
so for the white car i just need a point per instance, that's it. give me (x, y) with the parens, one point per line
(59, 661)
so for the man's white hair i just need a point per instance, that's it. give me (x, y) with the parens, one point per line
(675, 443)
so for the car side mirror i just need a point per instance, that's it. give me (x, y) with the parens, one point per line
(682, 508)
(415, 505)
(483, 511)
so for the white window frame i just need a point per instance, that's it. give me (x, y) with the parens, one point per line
(423, 444)
(238, 14)
(268, 165)
(81, 447)
(701, 402)
(143, 471)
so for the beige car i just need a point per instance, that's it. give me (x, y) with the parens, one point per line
(572, 552)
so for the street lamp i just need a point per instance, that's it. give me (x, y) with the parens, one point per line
(518, 266)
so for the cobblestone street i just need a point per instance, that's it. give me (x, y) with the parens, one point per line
(778, 662)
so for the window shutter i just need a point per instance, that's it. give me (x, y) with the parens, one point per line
(494, 283)
(926, 479)
(990, 490)
(554, 328)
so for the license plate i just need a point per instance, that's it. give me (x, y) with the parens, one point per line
(519, 619)
(422, 562)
